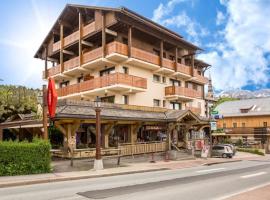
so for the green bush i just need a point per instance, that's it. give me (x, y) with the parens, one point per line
(254, 151)
(18, 158)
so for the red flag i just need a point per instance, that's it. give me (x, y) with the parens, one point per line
(51, 98)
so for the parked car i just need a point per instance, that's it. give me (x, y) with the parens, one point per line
(232, 147)
(222, 151)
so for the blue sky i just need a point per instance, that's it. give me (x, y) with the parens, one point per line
(234, 34)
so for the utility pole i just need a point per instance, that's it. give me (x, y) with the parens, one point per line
(45, 113)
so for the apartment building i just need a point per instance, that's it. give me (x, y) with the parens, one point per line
(126, 59)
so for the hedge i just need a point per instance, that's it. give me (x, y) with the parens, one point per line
(19, 158)
(254, 151)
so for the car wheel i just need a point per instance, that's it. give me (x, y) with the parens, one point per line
(224, 155)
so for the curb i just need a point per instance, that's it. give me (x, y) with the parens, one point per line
(222, 162)
(59, 179)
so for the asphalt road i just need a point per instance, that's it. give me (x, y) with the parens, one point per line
(204, 182)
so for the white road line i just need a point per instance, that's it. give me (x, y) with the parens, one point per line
(210, 170)
(253, 175)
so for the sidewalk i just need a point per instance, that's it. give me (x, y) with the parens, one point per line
(127, 168)
(262, 193)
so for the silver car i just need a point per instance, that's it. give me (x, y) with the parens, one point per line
(223, 151)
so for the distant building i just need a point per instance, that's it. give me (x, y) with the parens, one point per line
(247, 119)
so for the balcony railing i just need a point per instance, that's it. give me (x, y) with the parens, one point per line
(72, 63)
(183, 69)
(116, 47)
(92, 55)
(145, 56)
(104, 81)
(75, 36)
(168, 64)
(54, 70)
(200, 78)
(182, 91)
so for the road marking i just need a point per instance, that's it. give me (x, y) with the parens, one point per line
(252, 175)
(210, 170)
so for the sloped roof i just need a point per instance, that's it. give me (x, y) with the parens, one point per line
(85, 110)
(124, 11)
(256, 107)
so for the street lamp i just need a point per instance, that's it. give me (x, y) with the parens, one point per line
(98, 164)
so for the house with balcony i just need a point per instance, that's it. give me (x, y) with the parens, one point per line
(132, 64)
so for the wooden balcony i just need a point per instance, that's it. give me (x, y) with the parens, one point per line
(199, 78)
(116, 51)
(178, 92)
(144, 59)
(71, 64)
(116, 82)
(90, 28)
(53, 71)
(183, 71)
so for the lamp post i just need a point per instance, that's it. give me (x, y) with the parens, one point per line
(98, 164)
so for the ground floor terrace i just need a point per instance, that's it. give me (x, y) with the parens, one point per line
(124, 130)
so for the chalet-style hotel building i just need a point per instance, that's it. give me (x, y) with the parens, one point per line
(147, 76)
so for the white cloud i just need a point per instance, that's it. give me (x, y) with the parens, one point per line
(220, 18)
(240, 58)
(162, 15)
(163, 10)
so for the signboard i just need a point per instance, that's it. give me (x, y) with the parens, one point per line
(51, 98)
(205, 151)
(213, 126)
(214, 112)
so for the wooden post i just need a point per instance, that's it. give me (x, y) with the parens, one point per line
(129, 40)
(103, 35)
(46, 62)
(1, 134)
(192, 65)
(80, 38)
(161, 53)
(61, 47)
(98, 122)
(45, 113)
(176, 58)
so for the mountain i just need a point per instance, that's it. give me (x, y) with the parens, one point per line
(245, 94)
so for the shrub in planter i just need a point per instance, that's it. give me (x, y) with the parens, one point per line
(18, 158)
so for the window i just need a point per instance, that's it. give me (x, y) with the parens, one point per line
(265, 124)
(171, 57)
(243, 124)
(224, 125)
(156, 102)
(64, 84)
(80, 79)
(125, 70)
(163, 79)
(125, 40)
(125, 99)
(164, 103)
(174, 82)
(109, 99)
(175, 106)
(107, 71)
(234, 125)
(156, 78)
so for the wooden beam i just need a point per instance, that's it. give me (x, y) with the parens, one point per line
(53, 59)
(61, 128)
(1, 134)
(61, 47)
(68, 52)
(113, 33)
(45, 113)
(80, 38)
(103, 35)
(87, 43)
(46, 62)
(129, 40)
(176, 58)
(161, 53)
(192, 64)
